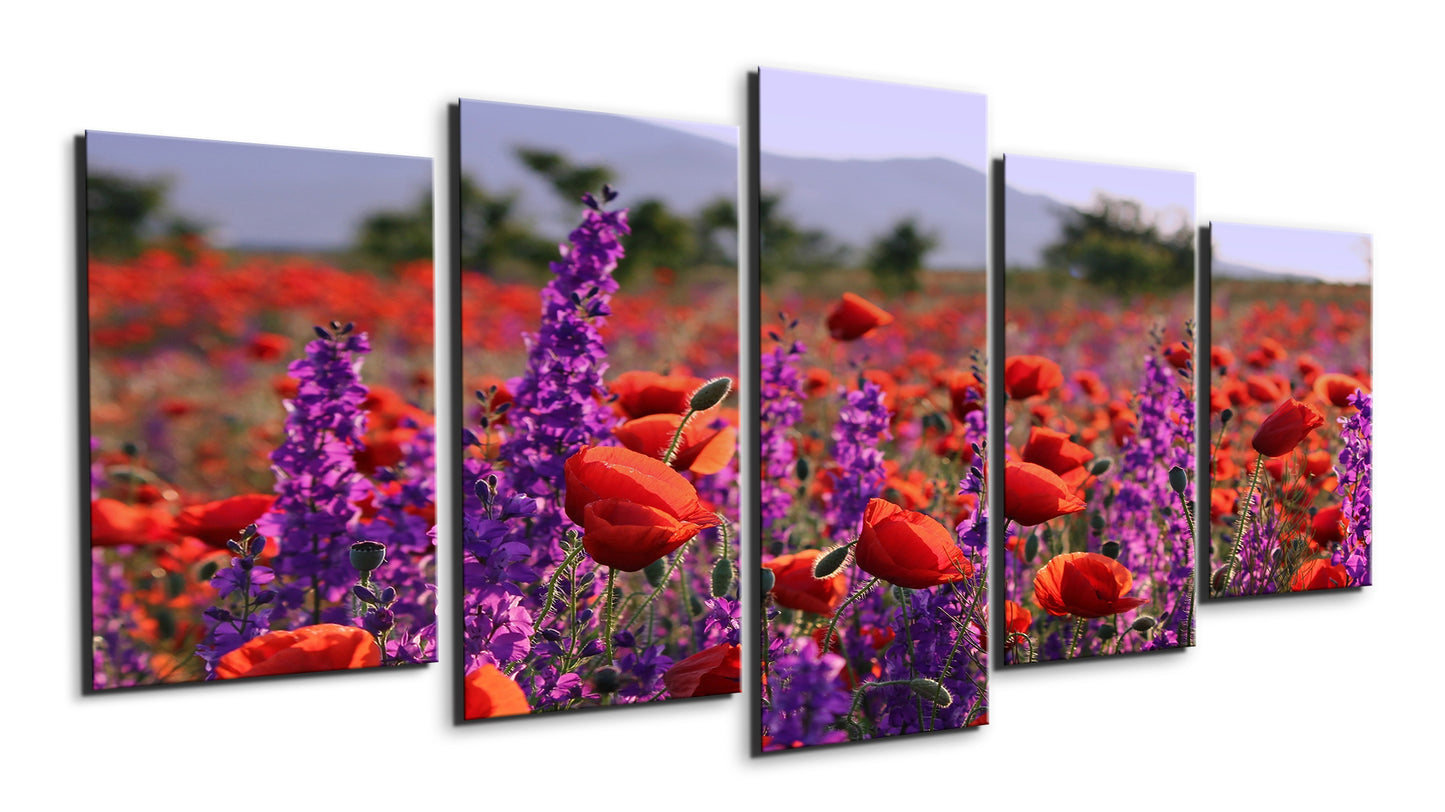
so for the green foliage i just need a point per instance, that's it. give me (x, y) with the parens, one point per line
(120, 213)
(659, 239)
(717, 233)
(386, 239)
(1114, 247)
(493, 237)
(568, 180)
(896, 258)
(785, 246)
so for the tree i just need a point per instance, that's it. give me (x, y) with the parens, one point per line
(492, 235)
(1115, 247)
(785, 246)
(569, 180)
(388, 238)
(896, 258)
(120, 212)
(717, 233)
(658, 238)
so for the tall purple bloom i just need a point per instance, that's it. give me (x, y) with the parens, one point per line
(781, 392)
(1354, 472)
(862, 427)
(808, 698)
(243, 609)
(317, 485)
(558, 404)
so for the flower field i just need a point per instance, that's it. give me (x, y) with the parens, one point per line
(1290, 424)
(262, 494)
(873, 510)
(600, 474)
(1099, 466)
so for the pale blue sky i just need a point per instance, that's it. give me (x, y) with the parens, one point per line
(1164, 193)
(808, 115)
(1336, 256)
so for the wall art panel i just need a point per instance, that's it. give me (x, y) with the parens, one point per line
(262, 476)
(1097, 395)
(1290, 409)
(873, 317)
(599, 355)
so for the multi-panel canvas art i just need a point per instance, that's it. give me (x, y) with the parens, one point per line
(599, 361)
(1097, 391)
(1290, 409)
(262, 475)
(872, 216)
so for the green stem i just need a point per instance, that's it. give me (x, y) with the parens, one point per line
(611, 612)
(862, 590)
(1079, 624)
(671, 452)
(1243, 525)
(666, 576)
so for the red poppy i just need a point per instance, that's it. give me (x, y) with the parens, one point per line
(268, 346)
(324, 647)
(854, 317)
(701, 450)
(629, 536)
(1056, 452)
(1337, 388)
(1282, 431)
(795, 587)
(114, 522)
(965, 393)
(619, 473)
(641, 393)
(1264, 389)
(489, 693)
(1178, 354)
(1318, 573)
(1016, 619)
(1318, 462)
(1033, 494)
(1220, 357)
(1328, 527)
(908, 548)
(1092, 385)
(1027, 375)
(1309, 369)
(1084, 585)
(711, 671)
(218, 522)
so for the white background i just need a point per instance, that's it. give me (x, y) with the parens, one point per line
(1308, 117)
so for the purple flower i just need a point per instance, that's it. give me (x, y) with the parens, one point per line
(808, 698)
(781, 393)
(862, 427)
(1354, 467)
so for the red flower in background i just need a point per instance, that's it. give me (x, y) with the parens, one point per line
(1055, 451)
(629, 536)
(711, 671)
(641, 393)
(1033, 494)
(1336, 388)
(854, 317)
(218, 522)
(1318, 573)
(795, 587)
(1084, 585)
(114, 522)
(1178, 354)
(1025, 376)
(908, 548)
(488, 693)
(324, 647)
(1282, 431)
(701, 450)
(268, 346)
(1016, 619)
(1328, 527)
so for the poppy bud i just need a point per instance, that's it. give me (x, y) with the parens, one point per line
(1216, 582)
(695, 604)
(710, 394)
(654, 572)
(1143, 623)
(722, 577)
(801, 469)
(831, 561)
(1096, 523)
(1106, 632)
(606, 680)
(932, 691)
(367, 556)
(1100, 466)
(1031, 547)
(766, 578)
(208, 570)
(1110, 549)
(1178, 479)
(1225, 416)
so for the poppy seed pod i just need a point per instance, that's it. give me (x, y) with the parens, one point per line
(367, 556)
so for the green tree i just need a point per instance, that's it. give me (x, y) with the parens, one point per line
(1115, 247)
(786, 246)
(896, 258)
(717, 233)
(569, 180)
(386, 239)
(120, 212)
(658, 238)
(493, 237)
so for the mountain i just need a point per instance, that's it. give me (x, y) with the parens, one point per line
(1236, 270)
(684, 170)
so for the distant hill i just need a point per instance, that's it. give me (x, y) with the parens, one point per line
(684, 170)
(1235, 270)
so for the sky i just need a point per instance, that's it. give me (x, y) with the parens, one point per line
(257, 195)
(1165, 193)
(1336, 256)
(807, 115)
